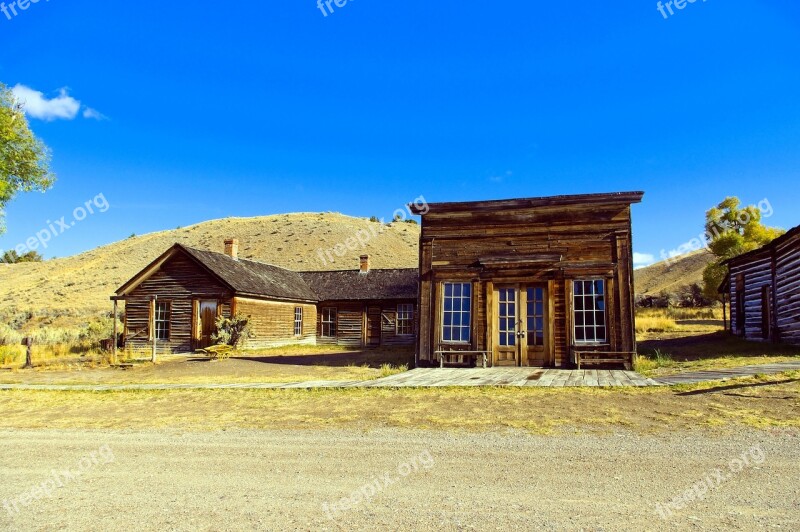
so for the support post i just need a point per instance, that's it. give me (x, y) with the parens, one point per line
(28, 343)
(153, 328)
(114, 339)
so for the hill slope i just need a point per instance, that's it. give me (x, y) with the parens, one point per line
(674, 276)
(81, 285)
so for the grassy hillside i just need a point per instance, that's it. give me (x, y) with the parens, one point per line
(80, 286)
(672, 276)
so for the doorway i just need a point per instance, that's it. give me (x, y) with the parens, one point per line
(521, 319)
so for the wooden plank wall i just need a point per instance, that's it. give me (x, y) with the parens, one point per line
(177, 280)
(272, 322)
(757, 273)
(594, 241)
(352, 318)
(787, 292)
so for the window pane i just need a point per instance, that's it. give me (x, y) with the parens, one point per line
(467, 290)
(457, 290)
(579, 336)
(448, 289)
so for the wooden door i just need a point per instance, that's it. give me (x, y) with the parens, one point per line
(536, 339)
(207, 322)
(521, 324)
(506, 341)
(373, 326)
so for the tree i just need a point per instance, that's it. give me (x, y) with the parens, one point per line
(12, 257)
(732, 230)
(24, 159)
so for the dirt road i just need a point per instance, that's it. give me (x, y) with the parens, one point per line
(396, 479)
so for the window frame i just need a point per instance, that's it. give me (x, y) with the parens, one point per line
(298, 321)
(461, 312)
(406, 317)
(167, 321)
(332, 322)
(593, 312)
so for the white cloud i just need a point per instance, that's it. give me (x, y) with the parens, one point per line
(94, 114)
(61, 107)
(640, 260)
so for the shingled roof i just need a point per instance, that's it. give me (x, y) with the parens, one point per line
(254, 278)
(251, 278)
(352, 285)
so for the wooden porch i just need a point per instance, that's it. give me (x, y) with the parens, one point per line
(509, 376)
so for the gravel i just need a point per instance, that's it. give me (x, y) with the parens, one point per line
(279, 480)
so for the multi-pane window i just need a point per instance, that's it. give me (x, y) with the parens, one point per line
(329, 323)
(298, 321)
(535, 312)
(405, 320)
(590, 311)
(162, 318)
(457, 310)
(507, 312)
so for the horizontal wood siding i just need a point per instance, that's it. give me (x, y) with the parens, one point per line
(593, 241)
(787, 292)
(757, 274)
(178, 280)
(272, 322)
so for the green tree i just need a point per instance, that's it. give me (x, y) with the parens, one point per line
(732, 231)
(12, 257)
(24, 159)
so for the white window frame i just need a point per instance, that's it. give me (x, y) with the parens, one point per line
(404, 324)
(298, 321)
(162, 320)
(589, 308)
(332, 314)
(456, 286)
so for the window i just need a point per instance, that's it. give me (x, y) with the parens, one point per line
(298, 321)
(536, 316)
(457, 310)
(507, 312)
(590, 311)
(329, 323)
(163, 309)
(405, 320)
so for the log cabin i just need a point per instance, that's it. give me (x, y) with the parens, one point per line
(763, 288)
(176, 300)
(528, 282)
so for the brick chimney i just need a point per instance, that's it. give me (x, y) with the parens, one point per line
(364, 263)
(232, 248)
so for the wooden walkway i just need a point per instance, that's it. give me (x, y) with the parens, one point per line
(436, 378)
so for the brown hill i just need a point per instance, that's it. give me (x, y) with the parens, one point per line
(674, 276)
(81, 285)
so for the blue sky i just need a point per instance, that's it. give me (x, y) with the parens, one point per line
(178, 114)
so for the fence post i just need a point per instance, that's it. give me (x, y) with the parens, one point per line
(28, 343)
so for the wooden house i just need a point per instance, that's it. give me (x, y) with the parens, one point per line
(763, 288)
(528, 282)
(176, 300)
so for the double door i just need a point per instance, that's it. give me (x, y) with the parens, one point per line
(521, 325)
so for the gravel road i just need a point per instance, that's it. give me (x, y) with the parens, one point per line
(407, 480)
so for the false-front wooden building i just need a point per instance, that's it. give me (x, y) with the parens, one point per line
(176, 300)
(763, 287)
(530, 282)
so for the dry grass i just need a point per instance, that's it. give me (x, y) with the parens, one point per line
(757, 402)
(71, 290)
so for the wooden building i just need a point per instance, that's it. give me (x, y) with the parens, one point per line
(530, 282)
(763, 288)
(176, 300)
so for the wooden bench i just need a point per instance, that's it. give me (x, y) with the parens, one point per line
(470, 354)
(605, 357)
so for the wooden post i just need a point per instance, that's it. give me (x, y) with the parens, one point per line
(28, 343)
(153, 329)
(114, 340)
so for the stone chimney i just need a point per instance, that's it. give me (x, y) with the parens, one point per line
(364, 263)
(232, 248)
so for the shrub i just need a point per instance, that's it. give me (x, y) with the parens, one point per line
(232, 331)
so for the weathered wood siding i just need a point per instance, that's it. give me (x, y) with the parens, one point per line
(180, 281)
(272, 322)
(593, 241)
(769, 280)
(352, 319)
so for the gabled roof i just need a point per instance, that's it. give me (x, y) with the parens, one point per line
(245, 277)
(352, 285)
(251, 278)
(788, 235)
